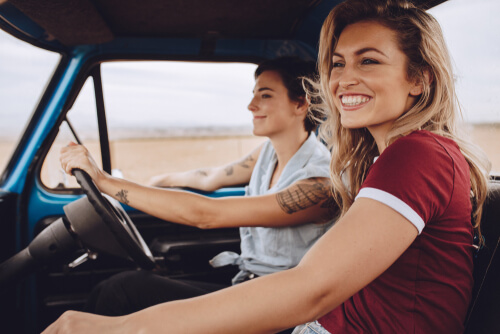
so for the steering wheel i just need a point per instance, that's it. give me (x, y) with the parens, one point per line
(117, 221)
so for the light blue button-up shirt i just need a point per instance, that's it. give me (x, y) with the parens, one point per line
(265, 250)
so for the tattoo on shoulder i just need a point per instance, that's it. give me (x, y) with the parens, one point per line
(229, 170)
(122, 195)
(244, 162)
(202, 172)
(305, 194)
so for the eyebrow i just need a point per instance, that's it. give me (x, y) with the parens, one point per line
(361, 51)
(263, 89)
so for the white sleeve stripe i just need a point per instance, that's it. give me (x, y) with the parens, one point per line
(395, 203)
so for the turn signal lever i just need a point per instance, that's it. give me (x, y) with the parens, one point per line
(55, 242)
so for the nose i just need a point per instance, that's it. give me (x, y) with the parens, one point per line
(348, 77)
(252, 106)
(347, 83)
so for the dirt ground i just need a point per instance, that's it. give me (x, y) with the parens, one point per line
(140, 159)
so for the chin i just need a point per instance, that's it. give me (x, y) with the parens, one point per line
(352, 125)
(258, 133)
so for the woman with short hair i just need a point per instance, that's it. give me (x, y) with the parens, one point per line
(285, 210)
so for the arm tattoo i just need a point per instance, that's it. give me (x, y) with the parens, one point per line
(331, 205)
(243, 163)
(229, 170)
(303, 195)
(122, 195)
(201, 172)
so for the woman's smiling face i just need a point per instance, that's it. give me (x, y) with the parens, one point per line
(369, 79)
(273, 111)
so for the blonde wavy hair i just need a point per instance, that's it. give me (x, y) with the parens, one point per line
(437, 110)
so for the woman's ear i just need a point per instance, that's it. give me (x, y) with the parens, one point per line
(418, 86)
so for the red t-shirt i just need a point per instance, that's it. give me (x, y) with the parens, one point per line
(424, 177)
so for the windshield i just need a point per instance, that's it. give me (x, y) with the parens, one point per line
(24, 73)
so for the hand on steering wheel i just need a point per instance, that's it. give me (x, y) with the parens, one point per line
(116, 219)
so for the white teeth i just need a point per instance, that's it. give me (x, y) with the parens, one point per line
(353, 100)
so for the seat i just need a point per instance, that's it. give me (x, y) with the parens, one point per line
(484, 312)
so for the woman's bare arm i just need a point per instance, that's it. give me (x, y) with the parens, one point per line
(360, 247)
(210, 179)
(305, 201)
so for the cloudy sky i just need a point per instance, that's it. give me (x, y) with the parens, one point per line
(189, 94)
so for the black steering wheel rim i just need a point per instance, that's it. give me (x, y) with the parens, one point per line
(117, 220)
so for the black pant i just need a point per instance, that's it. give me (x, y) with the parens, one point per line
(132, 291)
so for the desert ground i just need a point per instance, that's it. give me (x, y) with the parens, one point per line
(140, 159)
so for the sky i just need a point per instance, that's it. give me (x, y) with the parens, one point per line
(151, 98)
(178, 94)
(471, 30)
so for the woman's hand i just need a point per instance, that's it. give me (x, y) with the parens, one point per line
(83, 323)
(77, 156)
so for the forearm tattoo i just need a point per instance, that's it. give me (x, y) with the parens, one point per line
(122, 195)
(305, 194)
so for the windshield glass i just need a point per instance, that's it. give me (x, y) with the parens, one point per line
(162, 116)
(24, 73)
